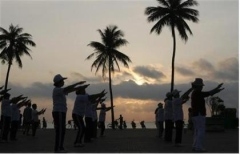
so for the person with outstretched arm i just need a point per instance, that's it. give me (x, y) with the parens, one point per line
(60, 108)
(199, 112)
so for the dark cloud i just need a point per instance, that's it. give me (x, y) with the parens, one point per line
(184, 71)
(149, 72)
(203, 66)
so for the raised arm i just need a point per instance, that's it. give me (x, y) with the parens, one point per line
(97, 96)
(185, 96)
(72, 88)
(216, 90)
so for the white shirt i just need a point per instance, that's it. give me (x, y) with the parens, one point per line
(177, 109)
(15, 113)
(168, 111)
(35, 115)
(102, 115)
(59, 100)
(80, 105)
(6, 108)
(160, 114)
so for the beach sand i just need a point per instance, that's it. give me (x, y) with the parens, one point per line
(122, 141)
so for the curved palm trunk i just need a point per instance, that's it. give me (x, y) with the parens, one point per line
(111, 95)
(173, 58)
(8, 72)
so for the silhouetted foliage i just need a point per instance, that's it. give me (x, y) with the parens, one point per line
(173, 13)
(13, 45)
(107, 55)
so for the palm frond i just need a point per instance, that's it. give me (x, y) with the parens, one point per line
(160, 24)
(163, 2)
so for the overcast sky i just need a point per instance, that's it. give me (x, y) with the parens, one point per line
(63, 29)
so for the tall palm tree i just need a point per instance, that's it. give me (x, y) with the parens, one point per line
(107, 55)
(173, 13)
(13, 44)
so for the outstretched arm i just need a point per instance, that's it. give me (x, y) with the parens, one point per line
(185, 96)
(216, 90)
(72, 88)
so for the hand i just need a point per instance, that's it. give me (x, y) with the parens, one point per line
(81, 82)
(220, 85)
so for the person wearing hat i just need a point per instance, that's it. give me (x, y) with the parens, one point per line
(199, 112)
(168, 117)
(178, 113)
(60, 108)
(160, 119)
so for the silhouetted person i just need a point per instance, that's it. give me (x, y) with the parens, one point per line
(120, 122)
(133, 124)
(35, 118)
(178, 113)
(27, 119)
(60, 108)
(124, 125)
(160, 119)
(199, 112)
(168, 116)
(44, 123)
(102, 118)
(142, 124)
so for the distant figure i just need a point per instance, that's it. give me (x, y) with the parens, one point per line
(124, 125)
(133, 124)
(27, 118)
(142, 125)
(102, 117)
(116, 124)
(120, 122)
(160, 119)
(199, 112)
(168, 117)
(35, 119)
(156, 121)
(44, 123)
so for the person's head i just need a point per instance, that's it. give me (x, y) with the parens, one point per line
(198, 84)
(58, 80)
(176, 93)
(34, 106)
(169, 95)
(103, 105)
(29, 104)
(160, 105)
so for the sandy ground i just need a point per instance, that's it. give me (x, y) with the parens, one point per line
(122, 141)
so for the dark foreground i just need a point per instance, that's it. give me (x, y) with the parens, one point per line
(125, 141)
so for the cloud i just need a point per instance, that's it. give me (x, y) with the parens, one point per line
(149, 72)
(204, 66)
(184, 71)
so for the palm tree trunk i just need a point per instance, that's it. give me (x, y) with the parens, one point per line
(173, 58)
(111, 95)
(8, 72)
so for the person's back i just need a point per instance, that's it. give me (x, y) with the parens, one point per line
(27, 114)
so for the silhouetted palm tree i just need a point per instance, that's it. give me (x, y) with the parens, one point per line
(13, 45)
(107, 55)
(173, 13)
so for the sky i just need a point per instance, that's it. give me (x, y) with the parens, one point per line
(62, 31)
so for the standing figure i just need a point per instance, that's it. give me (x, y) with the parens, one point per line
(102, 118)
(133, 124)
(35, 119)
(120, 122)
(160, 119)
(44, 123)
(124, 125)
(178, 113)
(27, 118)
(60, 109)
(199, 112)
(168, 116)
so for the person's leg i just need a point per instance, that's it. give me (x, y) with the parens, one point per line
(102, 128)
(56, 118)
(201, 134)
(166, 135)
(14, 128)
(179, 129)
(76, 120)
(6, 128)
(62, 129)
(82, 128)
(160, 125)
(87, 137)
(195, 120)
